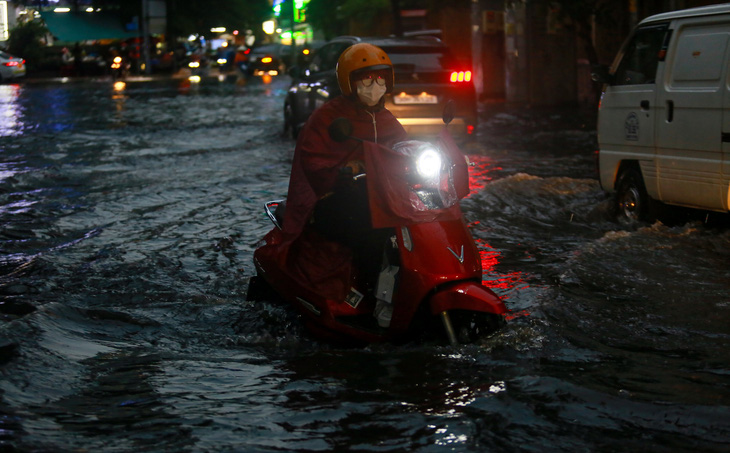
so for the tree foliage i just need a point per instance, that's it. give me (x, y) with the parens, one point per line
(25, 42)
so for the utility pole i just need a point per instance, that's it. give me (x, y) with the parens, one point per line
(146, 36)
(293, 39)
(633, 14)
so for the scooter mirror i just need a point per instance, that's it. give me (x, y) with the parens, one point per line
(340, 129)
(449, 111)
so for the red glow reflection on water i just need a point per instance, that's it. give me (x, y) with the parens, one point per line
(479, 172)
(490, 278)
(505, 284)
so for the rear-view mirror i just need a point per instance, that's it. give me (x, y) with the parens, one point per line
(449, 111)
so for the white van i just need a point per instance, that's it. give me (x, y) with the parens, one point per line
(664, 115)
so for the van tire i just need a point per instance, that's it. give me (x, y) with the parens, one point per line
(631, 202)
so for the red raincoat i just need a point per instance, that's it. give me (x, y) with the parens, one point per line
(316, 263)
(318, 158)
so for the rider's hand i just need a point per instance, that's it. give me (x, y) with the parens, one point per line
(355, 167)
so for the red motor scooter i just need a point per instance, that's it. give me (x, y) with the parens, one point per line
(429, 283)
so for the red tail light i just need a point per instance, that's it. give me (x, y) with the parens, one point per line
(11, 63)
(460, 76)
(469, 129)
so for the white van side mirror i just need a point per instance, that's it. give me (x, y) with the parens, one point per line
(601, 74)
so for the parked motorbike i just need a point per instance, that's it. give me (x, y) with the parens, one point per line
(119, 67)
(429, 285)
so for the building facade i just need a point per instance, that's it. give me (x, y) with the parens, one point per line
(536, 52)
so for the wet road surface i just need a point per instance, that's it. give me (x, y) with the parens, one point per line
(128, 219)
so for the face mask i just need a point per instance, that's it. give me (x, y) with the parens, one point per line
(371, 95)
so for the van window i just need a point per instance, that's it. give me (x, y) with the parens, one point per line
(641, 56)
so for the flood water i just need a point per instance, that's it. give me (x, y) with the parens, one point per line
(128, 220)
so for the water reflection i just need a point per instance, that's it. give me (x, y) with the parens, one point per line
(7, 170)
(506, 283)
(479, 172)
(119, 97)
(10, 110)
(479, 177)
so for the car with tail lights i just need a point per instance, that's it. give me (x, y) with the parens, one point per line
(427, 77)
(11, 67)
(264, 60)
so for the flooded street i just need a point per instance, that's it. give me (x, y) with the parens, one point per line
(128, 221)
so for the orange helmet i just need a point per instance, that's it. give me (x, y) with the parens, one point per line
(359, 57)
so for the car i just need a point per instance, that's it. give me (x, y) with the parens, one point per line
(427, 77)
(11, 67)
(264, 60)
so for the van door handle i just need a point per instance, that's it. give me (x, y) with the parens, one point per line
(644, 105)
(670, 111)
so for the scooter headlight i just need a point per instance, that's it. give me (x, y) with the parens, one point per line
(428, 163)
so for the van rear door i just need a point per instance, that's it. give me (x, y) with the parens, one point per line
(690, 114)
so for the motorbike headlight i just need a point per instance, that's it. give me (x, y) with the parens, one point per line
(428, 163)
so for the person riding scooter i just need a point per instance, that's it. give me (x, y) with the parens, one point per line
(321, 191)
(383, 262)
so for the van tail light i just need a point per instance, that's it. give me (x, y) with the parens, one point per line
(469, 129)
(460, 76)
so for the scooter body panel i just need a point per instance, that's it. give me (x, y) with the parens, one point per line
(441, 253)
(466, 295)
(437, 268)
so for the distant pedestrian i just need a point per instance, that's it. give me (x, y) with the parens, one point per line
(67, 62)
(78, 56)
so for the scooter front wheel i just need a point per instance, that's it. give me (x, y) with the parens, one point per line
(449, 328)
(469, 326)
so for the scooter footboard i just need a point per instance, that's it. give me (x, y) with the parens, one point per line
(466, 296)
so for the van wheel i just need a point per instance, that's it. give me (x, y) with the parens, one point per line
(632, 201)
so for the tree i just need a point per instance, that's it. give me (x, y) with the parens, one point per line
(25, 42)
